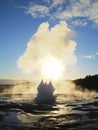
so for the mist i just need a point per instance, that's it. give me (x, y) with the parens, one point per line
(67, 88)
(26, 87)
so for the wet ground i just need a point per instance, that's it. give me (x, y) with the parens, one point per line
(69, 112)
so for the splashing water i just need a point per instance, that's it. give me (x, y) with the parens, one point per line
(45, 93)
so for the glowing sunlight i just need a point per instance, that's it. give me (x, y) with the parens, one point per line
(52, 69)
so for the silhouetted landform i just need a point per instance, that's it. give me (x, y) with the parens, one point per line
(89, 82)
(45, 93)
(8, 81)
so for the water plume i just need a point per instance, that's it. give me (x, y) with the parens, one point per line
(45, 93)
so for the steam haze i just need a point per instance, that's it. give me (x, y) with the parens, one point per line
(45, 43)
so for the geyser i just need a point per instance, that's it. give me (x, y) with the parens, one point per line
(45, 93)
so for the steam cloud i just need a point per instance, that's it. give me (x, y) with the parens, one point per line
(46, 42)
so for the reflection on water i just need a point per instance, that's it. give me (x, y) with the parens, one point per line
(69, 111)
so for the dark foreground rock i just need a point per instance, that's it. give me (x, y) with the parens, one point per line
(63, 115)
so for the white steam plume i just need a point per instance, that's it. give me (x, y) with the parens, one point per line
(46, 42)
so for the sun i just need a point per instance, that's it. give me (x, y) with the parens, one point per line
(52, 68)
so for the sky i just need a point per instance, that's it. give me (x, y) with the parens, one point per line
(31, 31)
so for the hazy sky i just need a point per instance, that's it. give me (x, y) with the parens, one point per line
(23, 22)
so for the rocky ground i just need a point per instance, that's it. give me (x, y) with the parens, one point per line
(66, 113)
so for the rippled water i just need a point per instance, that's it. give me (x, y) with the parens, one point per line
(72, 112)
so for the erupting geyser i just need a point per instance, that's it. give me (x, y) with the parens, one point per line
(45, 93)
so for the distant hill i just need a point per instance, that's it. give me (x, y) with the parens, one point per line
(8, 81)
(12, 81)
(89, 82)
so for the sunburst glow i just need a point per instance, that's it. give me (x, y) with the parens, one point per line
(52, 69)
